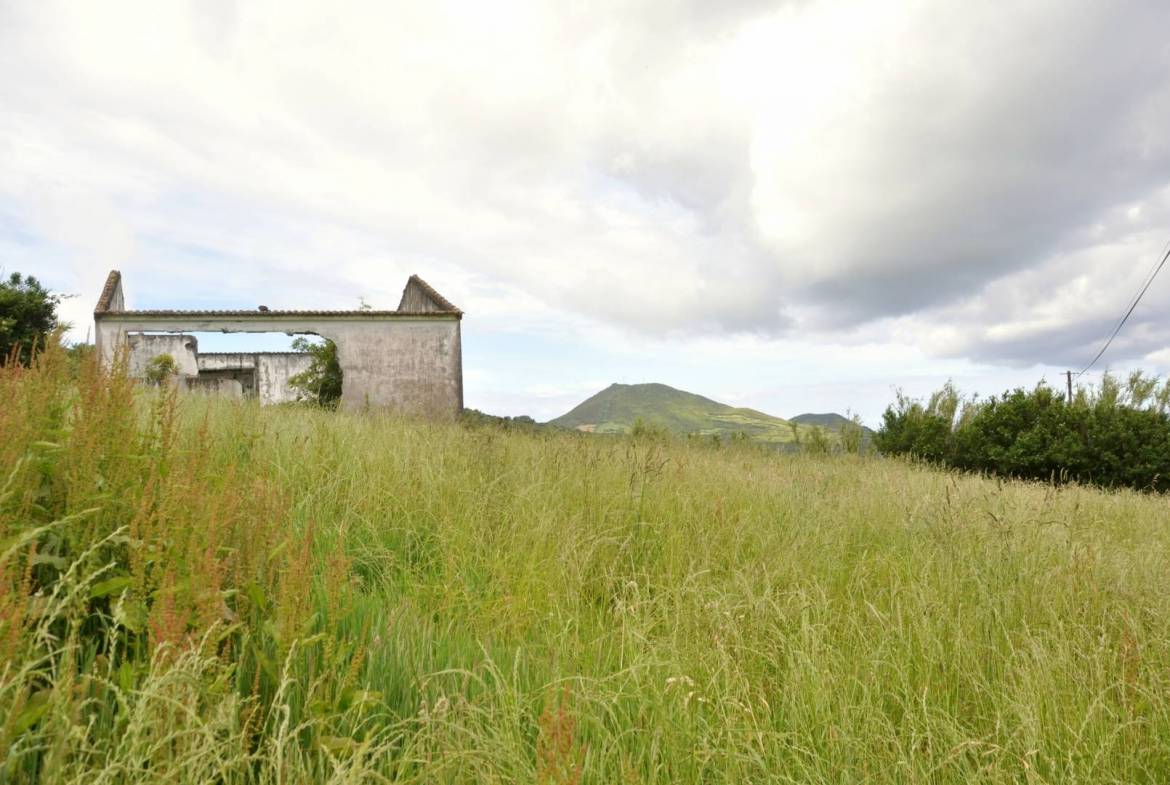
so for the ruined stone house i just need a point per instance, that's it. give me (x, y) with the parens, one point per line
(407, 360)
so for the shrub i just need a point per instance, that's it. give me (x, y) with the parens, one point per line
(28, 315)
(651, 431)
(911, 428)
(816, 441)
(321, 382)
(852, 436)
(474, 418)
(160, 369)
(1115, 435)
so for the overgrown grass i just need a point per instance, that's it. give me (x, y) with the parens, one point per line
(205, 591)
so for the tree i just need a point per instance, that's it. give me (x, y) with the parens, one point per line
(28, 314)
(816, 441)
(909, 428)
(1115, 435)
(321, 382)
(853, 436)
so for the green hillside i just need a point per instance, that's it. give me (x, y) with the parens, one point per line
(616, 408)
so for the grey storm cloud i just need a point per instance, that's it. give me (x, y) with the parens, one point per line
(983, 180)
(1029, 139)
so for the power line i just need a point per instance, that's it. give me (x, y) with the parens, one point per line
(1137, 299)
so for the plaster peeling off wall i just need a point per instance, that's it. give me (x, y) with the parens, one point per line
(273, 372)
(240, 366)
(263, 374)
(218, 387)
(144, 347)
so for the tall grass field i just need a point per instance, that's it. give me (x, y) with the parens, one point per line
(205, 591)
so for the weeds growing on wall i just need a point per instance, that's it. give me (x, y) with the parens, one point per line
(161, 368)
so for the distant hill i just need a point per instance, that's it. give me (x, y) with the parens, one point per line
(522, 422)
(616, 408)
(830, 420)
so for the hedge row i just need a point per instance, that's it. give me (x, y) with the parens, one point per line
(1115, 435)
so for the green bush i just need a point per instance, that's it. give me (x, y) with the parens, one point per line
(853, 438)
(653, 431)
(1115, 435)
(28, 315)
(321, 383)
(924, 431)
(160, 369)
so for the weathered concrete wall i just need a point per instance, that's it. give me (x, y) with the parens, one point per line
(407, 363)
(273, 370)
(417, 298)
(410, 366)
(108, 339)
(144, 348)
(219, 387)
(111, 299)
(227, 361)
(240, 366)
(263, 374)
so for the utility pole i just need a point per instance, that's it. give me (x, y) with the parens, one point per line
(1069, 375)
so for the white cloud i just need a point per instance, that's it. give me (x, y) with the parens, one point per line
(967, 180)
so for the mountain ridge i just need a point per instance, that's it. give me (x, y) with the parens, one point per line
(617, 407)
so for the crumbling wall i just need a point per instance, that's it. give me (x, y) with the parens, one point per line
(143, 347)
(412, 366)
(273, 371)
(227, 361)
(409, 360)
(240, 366)
(263, 374)
(220, 387)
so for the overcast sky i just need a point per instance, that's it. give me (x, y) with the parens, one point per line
(795, 206)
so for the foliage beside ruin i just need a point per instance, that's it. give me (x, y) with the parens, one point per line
(321, 382)
(201, 590)
(28, 316)
(160, 369)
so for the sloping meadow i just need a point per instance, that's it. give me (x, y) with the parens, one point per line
(195, 590)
